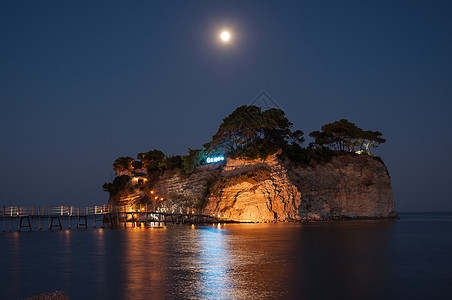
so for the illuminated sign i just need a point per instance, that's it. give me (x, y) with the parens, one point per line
(214, 159)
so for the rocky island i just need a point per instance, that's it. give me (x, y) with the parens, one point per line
(255, 170)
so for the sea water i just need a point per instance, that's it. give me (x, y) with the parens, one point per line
(410, 258)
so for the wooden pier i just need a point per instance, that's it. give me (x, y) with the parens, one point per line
(39, 218)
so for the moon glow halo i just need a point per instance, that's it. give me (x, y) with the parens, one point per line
(225, 36)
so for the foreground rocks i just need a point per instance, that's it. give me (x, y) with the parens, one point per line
(57, 295)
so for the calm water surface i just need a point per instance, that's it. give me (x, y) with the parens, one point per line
(409, 258)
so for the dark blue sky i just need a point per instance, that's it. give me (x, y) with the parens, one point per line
(84, 82)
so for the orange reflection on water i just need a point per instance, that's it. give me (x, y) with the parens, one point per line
(249, 261)
(145, 263)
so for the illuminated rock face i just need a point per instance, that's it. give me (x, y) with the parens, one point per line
(350, 186)
(273, 199)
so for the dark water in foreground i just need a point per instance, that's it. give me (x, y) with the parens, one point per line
(410, 258)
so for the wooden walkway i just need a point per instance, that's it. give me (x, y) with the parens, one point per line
(38, 218)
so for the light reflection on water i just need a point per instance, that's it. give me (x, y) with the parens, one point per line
(354, 259)
(144, 263)
(214, 262)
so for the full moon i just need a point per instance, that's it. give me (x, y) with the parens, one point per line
(225, 35)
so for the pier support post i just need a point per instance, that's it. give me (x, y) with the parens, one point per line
(70, 217)
(24, 226)
(11, 219)
(82, 224)
(40, 218)
(57, 225)
(94, 221)
(125, 216)
(49, 219)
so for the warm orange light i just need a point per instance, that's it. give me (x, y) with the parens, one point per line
(161, 199)
(152, 192)
(156, 198)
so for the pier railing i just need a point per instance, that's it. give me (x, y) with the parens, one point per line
(136, 215)
(16, 211)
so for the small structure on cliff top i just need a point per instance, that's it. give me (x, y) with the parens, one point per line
(255, 169)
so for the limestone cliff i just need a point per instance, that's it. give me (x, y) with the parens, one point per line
(177, 190)
(350, 186)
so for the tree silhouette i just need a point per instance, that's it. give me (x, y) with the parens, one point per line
(151, 159)
(250, 132)
(343, 135)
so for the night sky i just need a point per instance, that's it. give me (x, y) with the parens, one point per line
(84, 82)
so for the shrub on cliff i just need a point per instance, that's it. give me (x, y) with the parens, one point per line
(170, 163)
(306, 156)
(118, 184)
(194, 158)
(255, 150)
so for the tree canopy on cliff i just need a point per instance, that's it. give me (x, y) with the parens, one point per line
(151, 159)
(123, 164)
(343, 135)
(250, 132)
